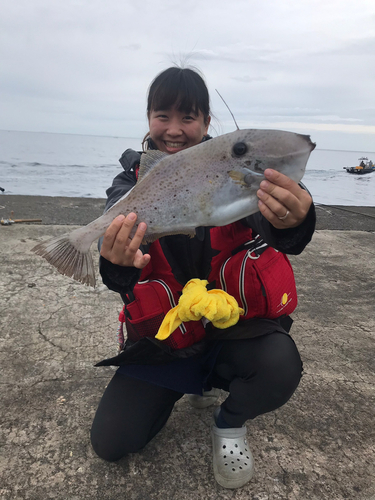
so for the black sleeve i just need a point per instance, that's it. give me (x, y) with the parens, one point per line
(291, 240)
(124, 181)
(121, 184)
(118, 278)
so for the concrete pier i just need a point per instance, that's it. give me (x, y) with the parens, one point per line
(320, 445)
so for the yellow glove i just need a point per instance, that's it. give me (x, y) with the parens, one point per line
(195, 303)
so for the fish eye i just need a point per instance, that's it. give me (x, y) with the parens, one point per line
(239, 149)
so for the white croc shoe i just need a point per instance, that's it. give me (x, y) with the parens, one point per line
(232, 460)
(207, 399)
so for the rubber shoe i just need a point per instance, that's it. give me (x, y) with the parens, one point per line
(207, 399)
(232, 460)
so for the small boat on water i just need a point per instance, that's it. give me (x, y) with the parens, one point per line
(365, 167)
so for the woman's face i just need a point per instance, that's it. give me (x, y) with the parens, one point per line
(172, 130)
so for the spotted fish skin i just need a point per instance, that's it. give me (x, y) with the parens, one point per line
(211, 184)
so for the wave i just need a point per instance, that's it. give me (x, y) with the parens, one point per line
(43, 166)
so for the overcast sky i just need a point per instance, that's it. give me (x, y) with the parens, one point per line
(84, 66)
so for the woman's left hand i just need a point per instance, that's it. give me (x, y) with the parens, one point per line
(282, 201)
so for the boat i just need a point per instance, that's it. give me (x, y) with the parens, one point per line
(365, 167)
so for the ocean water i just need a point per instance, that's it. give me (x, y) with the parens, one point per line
(77, 165)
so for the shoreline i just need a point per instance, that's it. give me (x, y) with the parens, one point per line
(59, 210)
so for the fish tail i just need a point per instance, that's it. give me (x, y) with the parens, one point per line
(69, 260)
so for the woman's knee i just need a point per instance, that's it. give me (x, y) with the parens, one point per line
(280, 369)
(268, 365)
(112, 446)
(104, 450)
(111, 434)
(130, 413)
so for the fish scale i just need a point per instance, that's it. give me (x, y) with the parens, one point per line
(211, 184)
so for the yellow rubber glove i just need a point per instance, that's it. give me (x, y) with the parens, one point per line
(195, 303)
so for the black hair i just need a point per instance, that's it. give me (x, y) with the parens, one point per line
(183, 87)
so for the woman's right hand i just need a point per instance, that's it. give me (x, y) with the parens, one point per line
(119, 248)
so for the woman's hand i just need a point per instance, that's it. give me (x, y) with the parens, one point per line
(118, 248)
(282, 201)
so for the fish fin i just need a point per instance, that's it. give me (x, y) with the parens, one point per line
(62, 254)
(238, 177)
(149, 160)
(245, 178)
(150, 238)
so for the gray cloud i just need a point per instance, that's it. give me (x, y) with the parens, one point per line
(85, 67)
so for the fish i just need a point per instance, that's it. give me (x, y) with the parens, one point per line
(211, 184)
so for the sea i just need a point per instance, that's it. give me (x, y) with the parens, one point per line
(49, 164)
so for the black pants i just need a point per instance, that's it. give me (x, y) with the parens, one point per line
(260, 375)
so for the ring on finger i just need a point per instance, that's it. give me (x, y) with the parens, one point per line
(284, 216)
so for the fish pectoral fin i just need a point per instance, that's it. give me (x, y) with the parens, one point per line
(245, 178)
(250, 177)
(238, 177)
(149, 160)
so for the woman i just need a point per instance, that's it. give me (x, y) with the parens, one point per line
(255, 361)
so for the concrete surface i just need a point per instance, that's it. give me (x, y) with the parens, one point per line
(318, 446)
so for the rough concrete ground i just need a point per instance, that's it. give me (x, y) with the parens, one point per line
(318, 446)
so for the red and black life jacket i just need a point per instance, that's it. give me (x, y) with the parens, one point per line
(259, 277)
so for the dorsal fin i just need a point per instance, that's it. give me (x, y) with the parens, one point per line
(149, 160)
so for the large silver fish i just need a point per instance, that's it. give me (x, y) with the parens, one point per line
(211, 184)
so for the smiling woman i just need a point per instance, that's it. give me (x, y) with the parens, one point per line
(244, 257)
